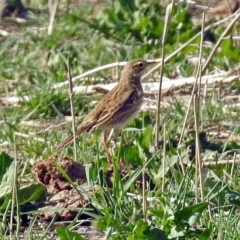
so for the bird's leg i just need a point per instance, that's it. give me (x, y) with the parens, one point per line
(106, 146)
(115, 137)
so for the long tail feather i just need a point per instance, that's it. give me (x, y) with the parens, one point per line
(69, 139)
(65, 143)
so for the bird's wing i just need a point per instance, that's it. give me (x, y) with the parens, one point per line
(118, 104)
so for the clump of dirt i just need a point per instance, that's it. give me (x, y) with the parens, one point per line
(64, 196)
(63, 202)
(47, 173)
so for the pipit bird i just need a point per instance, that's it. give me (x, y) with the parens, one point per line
(118, 107)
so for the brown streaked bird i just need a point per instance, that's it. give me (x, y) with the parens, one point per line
(225, 7)
(118, 107)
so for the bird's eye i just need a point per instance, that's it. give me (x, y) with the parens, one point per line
(140, 64)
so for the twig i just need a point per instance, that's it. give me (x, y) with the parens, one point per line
(88, 73)
(52, 12)
(27, 136)
(2, 6)
(219, 162)
(164, 157)
(144, 200)
(166, 26)
(233, 165)
(197, 147)
(198, 107)
(14, 193)
(71, 99)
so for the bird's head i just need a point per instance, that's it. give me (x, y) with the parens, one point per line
(133, 70)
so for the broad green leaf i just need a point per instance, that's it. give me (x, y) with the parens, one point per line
(138, 233)
(229, 50)
(233, 198)
(65, 234)
(6, 174)
(32, 193)
(204, 235)
(191, 214)
(215, 191)
(132, 179)
(140, 228)
(5, 202)
(156, 233)
(175, 233)
(131, 155)
(5, 162)
(145, 138)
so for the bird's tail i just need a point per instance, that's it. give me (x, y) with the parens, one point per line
(65, 143)
(68, 140)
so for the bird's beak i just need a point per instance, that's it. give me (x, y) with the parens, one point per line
(151, 62)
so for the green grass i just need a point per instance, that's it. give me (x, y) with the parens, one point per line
(32, 62)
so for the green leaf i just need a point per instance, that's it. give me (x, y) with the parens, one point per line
(190, 214)
(65, 234)
(176, 233)
(131, 155)
(200, 234)
(215, 191)
(183, 16)
(132, 179)
(5, 202)
(5, 162)
(32, 193)
(156, 233)
(145, 138)
(140, 228)
(229, 51)
(6, 174)
(158, 212)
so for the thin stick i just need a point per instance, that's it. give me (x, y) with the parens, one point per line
(14, 191)
(198, 106)
(88, 73)
(196, 118)
(233, 165)
(198, 148)
(199, 166)
(2, 6)
(224, 162)
(197, 145)
(144, 203)
(164, 157)
(71, 98)
(166, 26)
(52, 12)
(200, 57)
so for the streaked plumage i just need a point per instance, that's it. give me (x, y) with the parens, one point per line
(118, 107)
